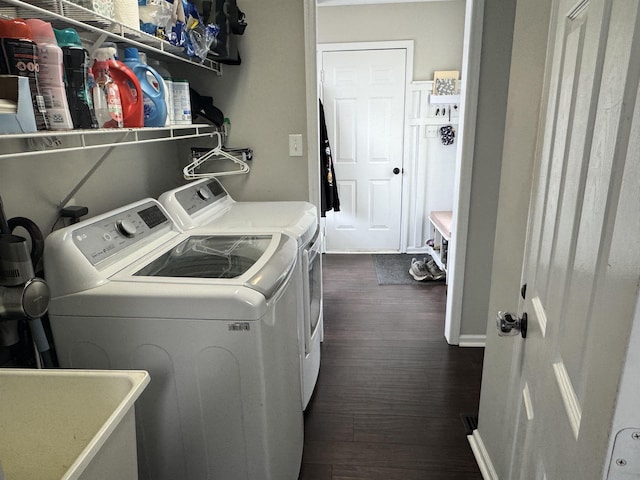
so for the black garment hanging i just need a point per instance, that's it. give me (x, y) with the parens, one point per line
(328, 188)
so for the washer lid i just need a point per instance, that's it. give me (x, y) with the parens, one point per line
(263, 265)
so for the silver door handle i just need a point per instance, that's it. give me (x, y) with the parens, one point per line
(509, 324)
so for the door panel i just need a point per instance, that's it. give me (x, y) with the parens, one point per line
(363, 96)
(580, 294)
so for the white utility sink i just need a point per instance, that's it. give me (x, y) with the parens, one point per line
(69, 424)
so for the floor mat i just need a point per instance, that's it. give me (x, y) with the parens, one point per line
(393, 269)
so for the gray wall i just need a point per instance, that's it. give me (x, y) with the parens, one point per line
(33, 187)
(264, 98)
(493, 87)
(435, 27)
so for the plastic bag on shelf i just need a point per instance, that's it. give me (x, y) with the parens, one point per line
(156, 17)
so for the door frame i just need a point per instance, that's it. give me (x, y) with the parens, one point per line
(408, 46)
(470, 79)
(470, 75)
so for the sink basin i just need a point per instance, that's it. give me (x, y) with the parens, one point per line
(69, 424)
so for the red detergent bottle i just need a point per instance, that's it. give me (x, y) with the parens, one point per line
(129, 86)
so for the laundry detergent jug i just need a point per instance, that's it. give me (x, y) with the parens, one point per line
(131, 96)
(153, 91)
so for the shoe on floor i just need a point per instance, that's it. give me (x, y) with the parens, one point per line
(425, 270)
(419, 270)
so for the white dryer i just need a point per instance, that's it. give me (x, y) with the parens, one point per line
(212, 318)
(206, 204)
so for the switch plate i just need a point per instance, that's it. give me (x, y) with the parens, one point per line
(431, 131)
(295, 145)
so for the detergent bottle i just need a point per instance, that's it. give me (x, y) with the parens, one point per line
(20, 57)
(130, 90)
(106, 94)
(155, 108)
(75, 59)
(51, 75)
(129, 86)
(168, 87)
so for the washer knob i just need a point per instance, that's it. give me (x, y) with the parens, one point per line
(126, 228)
(204, 193)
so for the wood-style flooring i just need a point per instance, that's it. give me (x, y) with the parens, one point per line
(391, 391)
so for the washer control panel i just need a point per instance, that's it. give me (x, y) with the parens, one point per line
(196, 197)
(110, 235)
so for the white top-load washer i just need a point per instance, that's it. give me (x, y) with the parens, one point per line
(206, 204)
(212, 317)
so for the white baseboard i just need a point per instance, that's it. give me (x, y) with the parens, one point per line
(472, 340)
(482, 456)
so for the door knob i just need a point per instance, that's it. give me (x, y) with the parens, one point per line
(509, 324)
(396, 171)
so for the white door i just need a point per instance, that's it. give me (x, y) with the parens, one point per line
(582, 261)
(363, 95)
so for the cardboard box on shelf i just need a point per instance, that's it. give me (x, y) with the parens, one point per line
(16, 109)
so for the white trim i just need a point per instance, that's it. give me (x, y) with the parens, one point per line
(464, 166)
(313, 114)
(541, 315)
(408, 46)
(569, 397)
(481, 455)
(528, 404)
(472, 340)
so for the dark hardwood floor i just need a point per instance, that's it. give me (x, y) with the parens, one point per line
(391, 391)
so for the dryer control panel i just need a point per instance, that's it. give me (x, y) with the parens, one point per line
(109, 235)
(201, 195)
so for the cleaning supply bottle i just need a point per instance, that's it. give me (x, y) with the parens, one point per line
(76, 66)
(155, 108)
(159, 67)
(19, 56)
(131, 96)
(51, 75)
(181, 102)
(106, 94)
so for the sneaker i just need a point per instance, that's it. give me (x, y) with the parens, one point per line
(435, 271)
(419, 270)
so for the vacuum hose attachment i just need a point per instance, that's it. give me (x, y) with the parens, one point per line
(22, 294)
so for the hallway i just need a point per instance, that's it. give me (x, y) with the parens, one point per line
(391, 391)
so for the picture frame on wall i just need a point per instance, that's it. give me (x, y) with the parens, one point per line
(445, 82)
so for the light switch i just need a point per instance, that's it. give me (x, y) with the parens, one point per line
(295, 145)
(431, 131)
